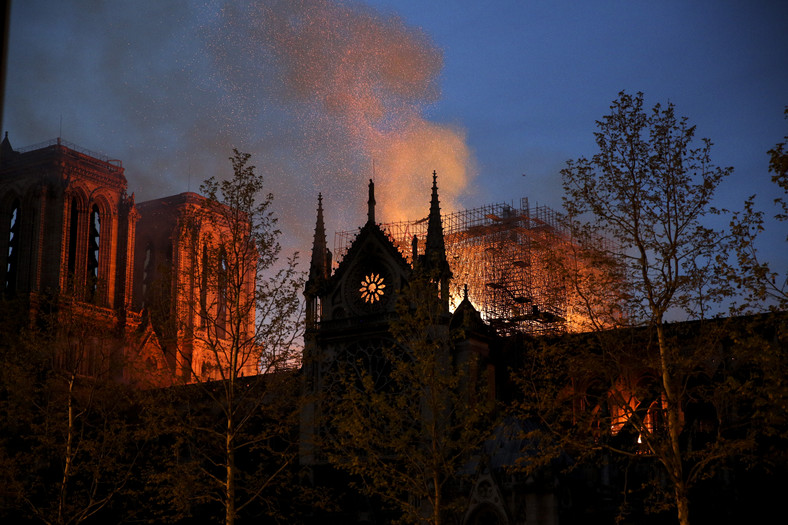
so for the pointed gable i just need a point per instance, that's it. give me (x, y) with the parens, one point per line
(371, 273)
(6, 151)
(467, 318)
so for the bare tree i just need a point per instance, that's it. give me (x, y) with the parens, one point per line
(70, 444)
(650, 189)
(238, 319)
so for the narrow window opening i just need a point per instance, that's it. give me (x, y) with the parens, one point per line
(162, 298)
(94, 240)
(221, 310)
(204, 287)
(165, 290)
(13, 250)
(72, 244)
(147, 275)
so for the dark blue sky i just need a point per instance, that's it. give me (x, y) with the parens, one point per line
(527, 79)
(318, 91)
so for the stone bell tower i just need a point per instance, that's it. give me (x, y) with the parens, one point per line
(67, 230)
(70, 224)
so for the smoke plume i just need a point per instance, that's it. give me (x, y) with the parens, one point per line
(324, 94)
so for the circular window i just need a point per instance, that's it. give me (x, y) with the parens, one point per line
(368, 288)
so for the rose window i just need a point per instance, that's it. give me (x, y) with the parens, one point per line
(372, 288)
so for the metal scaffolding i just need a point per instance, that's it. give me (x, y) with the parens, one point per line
(500, 251)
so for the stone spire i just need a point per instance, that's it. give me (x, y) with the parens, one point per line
(435, 248)
(319, 271)
(320, 264)
(371, 203)
(435, 262)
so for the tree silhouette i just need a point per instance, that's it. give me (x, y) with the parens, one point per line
(634, 385)
(408, 416)
(237, 326)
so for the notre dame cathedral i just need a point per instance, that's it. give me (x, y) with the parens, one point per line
(132, 284)
(73, 241)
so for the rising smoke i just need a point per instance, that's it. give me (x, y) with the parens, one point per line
(325, 95)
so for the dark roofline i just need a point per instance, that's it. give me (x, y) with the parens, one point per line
(58, 149)
(187, 197)
(63, 146)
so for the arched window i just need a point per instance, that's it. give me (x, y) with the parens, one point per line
(73, 230)
(204, 287)
(94, 241)
(12, 267)
(221, 293)
(164, 291)
(147, 274)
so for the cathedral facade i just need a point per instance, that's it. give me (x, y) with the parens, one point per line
(351, 309)
(144, 278)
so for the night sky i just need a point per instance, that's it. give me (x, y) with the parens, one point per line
(495, 96)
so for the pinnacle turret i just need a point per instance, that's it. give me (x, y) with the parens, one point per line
(435, 263)
(371, 203)
(435, 248)
(320, 265)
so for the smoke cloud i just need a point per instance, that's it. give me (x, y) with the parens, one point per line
(325, 95)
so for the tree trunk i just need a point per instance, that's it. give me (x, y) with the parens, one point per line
(682, 503)
(230, 481)
(230, 454)
(674, 461)
(69, 451)
(436, 510)
(230, 436)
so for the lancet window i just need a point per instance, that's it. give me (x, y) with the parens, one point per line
(147, 274)
(94, 245)
(12, 267)
(204, 286)
(73, 237)
(221, 307)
